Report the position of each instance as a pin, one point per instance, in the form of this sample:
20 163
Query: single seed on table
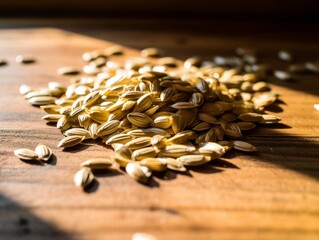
24 59
97 163
25 154
25 89
244 146
282 75
135 171
70 141
83 177
68 71
285 56
52 117
42 100
44 153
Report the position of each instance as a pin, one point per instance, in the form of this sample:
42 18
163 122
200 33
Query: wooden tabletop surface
271 194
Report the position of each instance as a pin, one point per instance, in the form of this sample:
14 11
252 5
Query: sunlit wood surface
272 194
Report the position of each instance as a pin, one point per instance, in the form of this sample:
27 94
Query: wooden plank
272 194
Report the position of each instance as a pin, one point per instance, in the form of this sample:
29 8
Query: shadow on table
17 222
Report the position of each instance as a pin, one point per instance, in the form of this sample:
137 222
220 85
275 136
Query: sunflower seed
139 119
193 160
285 56
97 163
83 177
139 143
244 146
68 71
52 117
25 89
25 154
142 153
70 141
135 171
107 128
151 52
24 59
42 100
44 153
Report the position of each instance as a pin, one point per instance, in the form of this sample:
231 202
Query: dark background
245 10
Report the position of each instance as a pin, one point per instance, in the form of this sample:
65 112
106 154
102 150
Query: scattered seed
83 177
135 171
24 59
70 141
97 163
285 56
68 71
44 153
244 146
25 154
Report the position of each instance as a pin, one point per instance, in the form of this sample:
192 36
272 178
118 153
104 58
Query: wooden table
273 194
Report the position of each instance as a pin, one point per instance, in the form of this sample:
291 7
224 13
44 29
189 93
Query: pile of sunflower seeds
156 112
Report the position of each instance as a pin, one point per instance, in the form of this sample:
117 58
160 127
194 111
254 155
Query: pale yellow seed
44 153
25 154
97 163
244 146
83 177
135 171
70 141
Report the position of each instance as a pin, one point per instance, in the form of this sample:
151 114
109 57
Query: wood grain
272 194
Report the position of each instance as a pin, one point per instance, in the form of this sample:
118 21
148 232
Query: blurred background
246 10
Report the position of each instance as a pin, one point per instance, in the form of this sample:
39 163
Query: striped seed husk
44 153
97 163
70 141
83 177
25 154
